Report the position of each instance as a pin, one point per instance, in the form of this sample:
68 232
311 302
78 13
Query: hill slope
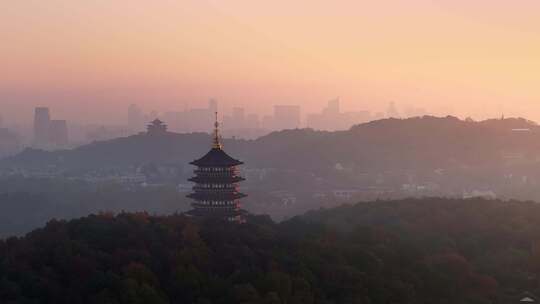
415 143
412 251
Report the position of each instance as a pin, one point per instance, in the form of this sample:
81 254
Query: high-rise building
177 121
49 133
238 118
42 121
331 118
252 121
236 121
286 117
216 181
58 133
242 125
332 108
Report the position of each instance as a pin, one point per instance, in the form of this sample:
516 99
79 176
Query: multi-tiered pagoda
157 127
216 184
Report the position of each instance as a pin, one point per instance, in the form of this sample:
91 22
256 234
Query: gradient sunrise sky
90 59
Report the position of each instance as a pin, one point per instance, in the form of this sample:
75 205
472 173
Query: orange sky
89 59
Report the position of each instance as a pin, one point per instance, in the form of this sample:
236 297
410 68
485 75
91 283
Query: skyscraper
42 121
58 132
238 118
333 107
286 117
332 118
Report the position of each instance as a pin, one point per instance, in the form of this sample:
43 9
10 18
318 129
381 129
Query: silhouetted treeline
411 251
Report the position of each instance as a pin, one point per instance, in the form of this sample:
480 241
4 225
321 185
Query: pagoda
157 127
215 193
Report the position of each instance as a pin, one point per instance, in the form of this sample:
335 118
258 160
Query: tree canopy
411 251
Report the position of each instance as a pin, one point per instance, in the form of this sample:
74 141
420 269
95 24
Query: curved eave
204 163
216 158
216 197
218 180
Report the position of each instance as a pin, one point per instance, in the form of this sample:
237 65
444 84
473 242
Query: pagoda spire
216 179
216 143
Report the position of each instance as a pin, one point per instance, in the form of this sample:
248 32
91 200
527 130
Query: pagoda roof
216 157
216 196
219 180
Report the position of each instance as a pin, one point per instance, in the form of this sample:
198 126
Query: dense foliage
498 238
412 251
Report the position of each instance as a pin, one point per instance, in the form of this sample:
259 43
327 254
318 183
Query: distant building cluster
237 124
192 120
331 118
49 133
241 124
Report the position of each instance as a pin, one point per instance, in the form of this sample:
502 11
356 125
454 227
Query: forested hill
412 251
390 144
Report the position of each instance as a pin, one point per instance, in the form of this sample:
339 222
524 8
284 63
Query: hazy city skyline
91 60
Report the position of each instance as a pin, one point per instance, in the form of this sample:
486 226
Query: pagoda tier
216 185
217 179
216 197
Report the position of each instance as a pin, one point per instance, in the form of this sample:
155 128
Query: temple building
157 127
216 184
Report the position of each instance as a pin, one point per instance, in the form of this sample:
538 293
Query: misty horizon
95 59
115 113
269 152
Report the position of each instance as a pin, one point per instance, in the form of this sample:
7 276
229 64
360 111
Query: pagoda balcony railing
215 190
216 173
200 208
217 179
227 206
216 195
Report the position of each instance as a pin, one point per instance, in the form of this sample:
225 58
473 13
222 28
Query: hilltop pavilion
156 127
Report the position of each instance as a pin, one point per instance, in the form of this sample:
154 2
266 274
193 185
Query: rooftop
216 157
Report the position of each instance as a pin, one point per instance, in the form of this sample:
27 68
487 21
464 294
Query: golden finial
217 140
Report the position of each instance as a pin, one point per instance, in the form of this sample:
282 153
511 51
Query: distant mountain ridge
426 142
